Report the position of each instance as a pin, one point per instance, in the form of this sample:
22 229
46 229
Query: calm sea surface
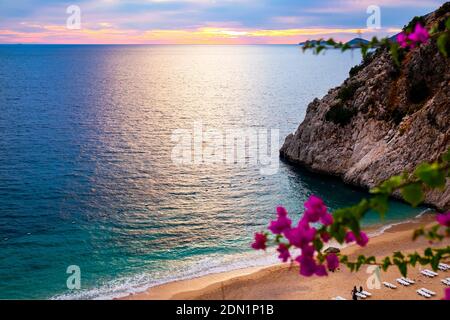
87 177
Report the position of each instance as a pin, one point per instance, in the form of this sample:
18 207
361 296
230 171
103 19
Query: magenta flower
362 240
332 261
447 294
281 211
325 237
420 34
284 252
402 40
350 237
321 271
308 250
444 219
282 224
309 267
315 209
327 219
260 241
301 235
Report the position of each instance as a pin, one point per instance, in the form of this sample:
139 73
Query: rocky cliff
382 120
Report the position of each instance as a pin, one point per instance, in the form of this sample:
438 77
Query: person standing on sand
354 291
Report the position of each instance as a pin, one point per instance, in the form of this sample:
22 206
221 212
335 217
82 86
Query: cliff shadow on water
338 194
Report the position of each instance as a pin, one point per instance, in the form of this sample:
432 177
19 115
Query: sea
98 173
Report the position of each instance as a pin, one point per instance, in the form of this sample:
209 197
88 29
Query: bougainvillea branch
411 37
317 226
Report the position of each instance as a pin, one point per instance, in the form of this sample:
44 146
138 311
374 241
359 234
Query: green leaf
424 261
360 210
447 24
318 244
364 49
374 41
354 225
403 268
433 29
278 238
386 263
446 156
351 266
361 259
338 232
413 194
431 175
388 186
345 47
399 255
331 42
319 49
380 204
371 260
413 258
394 53
435 262
442 44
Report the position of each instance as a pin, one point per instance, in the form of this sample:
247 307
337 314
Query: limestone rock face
381 121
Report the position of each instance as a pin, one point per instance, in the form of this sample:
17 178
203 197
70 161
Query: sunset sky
201 21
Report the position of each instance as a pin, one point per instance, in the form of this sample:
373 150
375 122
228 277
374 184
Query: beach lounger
408 280
427 274
442 268
423 294
339 298
367 294
446 282
389 285
402 282
444 265
431 293
431 272
360 295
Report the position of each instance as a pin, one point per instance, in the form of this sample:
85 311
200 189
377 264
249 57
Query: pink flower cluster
444 219
447 294
362 239
303 235
260 241
411 40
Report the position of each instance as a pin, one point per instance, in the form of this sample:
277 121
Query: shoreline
281 281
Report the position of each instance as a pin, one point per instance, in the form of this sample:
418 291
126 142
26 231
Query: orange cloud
205 35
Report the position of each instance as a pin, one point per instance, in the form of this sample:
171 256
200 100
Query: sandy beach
283 281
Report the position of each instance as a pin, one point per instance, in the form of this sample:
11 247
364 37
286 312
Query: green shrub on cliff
340 114
410 26
346 93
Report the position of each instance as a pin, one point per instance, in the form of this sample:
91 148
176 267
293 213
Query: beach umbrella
332 250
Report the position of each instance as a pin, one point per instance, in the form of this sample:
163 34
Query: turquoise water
87 178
